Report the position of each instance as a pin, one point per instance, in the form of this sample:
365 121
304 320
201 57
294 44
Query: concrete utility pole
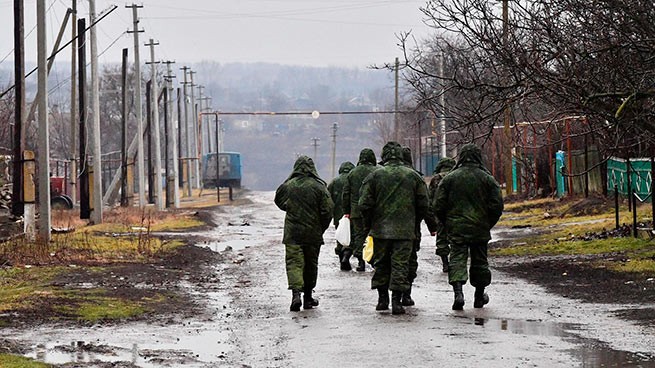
85 205
140 164
194 137
96 212
442 126
186 129
154 129
315 144
44 138
335 127
199 119
396 124
73 110
172 132
509 186
124 159
17 208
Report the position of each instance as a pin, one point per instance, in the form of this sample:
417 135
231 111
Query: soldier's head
470 153
392 151
366 157
445 164
346 167
304 165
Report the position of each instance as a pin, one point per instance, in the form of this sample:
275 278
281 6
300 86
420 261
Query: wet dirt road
248 323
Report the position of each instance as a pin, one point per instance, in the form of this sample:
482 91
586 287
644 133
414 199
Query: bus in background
229 173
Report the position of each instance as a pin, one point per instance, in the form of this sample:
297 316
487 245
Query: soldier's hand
346 215
434 233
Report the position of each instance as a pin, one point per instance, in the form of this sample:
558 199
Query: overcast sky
351 33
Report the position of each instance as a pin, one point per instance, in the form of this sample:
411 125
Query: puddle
589 352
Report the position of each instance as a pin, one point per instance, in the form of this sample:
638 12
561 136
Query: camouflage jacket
306 201
444 166
354 180
394 198
336 189
468 200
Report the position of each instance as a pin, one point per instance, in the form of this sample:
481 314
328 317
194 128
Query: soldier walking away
336 189
351 191
407 300
469 203
392 199
306 201
443 248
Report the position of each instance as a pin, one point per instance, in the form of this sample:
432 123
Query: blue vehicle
229 173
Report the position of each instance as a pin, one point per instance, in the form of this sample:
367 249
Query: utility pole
201 137
315 144
442 126
188 133
85 208
396 124
194 137
96 212
44 141
507 114
140 164
172 127
124 159
17 207
335 127
73 110
154 128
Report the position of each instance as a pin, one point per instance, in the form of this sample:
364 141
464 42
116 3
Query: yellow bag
367 253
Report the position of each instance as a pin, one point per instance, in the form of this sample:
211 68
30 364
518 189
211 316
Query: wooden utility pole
17 208
315 144
396 124
73 110
44 137
509 186
154 127
96 213
124 160
85 208
140 163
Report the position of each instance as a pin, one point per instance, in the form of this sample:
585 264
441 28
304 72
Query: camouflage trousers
357 236
479 269
391 262
302 266
443 246
413 261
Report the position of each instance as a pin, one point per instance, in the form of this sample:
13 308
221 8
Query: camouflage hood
304 166
366 157
392 151
346 167
470 154
445 164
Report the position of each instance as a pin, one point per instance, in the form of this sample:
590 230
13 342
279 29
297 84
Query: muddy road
247 322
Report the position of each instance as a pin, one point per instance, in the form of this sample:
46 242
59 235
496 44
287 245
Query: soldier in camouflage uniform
469 203
443 249
336 189
306 201
351 191
432 226
392 200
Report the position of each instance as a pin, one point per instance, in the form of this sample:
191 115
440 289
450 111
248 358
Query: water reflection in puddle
589 352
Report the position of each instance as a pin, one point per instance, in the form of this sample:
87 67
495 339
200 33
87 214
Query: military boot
361 266
383 299
307 301
296 303
396 304
444 262
458 304
345 259
407 300
481 298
